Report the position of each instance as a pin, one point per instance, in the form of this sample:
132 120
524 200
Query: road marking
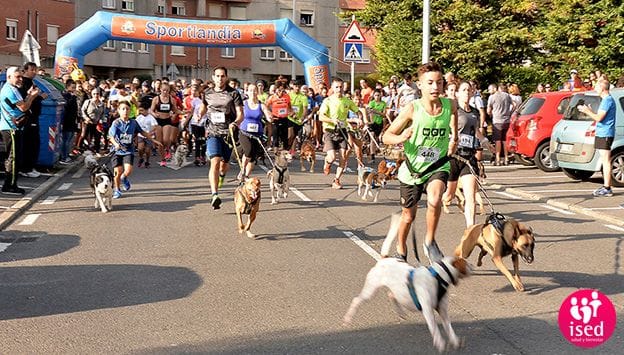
360 243
508 195
293 189
606 208
78 174
616 228
568 190
4 246
65 186
524 177
29 219
50 200
560 210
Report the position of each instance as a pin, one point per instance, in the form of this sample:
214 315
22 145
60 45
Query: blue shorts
218 147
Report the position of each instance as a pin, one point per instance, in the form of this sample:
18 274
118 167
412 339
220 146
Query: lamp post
293 74
164 68
425 30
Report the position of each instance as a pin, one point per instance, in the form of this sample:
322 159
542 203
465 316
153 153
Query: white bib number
165 107
427 154
217 117
282 111
252 127
466 140
296 109
125 138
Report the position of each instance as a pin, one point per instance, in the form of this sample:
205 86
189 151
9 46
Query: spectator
575 80
365 91
70 120
516 98
30 155
547 88
499 107
540 88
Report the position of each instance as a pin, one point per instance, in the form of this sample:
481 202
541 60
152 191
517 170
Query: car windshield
531 106
573 114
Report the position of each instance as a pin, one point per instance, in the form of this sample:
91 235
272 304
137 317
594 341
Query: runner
251 131
375 121
163 108
279 105
423 127
299 104
224 107
333 113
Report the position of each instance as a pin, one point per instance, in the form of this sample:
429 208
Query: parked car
572 141
531 125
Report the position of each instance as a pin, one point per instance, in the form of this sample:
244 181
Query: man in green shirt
376 113
333 113
427 127
299 104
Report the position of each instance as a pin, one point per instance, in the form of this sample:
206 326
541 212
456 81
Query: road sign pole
352 78
425 37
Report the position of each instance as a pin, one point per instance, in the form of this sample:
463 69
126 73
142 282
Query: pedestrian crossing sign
353 52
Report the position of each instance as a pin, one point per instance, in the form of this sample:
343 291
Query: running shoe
116 193
196 162
221 180
432 252
336 184
216 202
603 192
147 164
400 257
326 168
126 183
141 161
202 160
13 190
168 156
163 163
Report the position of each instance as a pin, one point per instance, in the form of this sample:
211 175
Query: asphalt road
164 273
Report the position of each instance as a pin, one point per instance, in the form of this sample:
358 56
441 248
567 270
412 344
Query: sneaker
147 164
400 257
202 160
168 156
432 252
141 161
326 168
116 193
336 184
163 163
126 183
196 162
216 202
65 161
13 190
221 180
603 192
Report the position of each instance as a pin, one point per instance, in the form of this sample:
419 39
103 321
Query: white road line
29 219
50 200
560 210
524 177
616 228
65 186
508 195
606 208
78 174
568 190
4 246
293 189
370 251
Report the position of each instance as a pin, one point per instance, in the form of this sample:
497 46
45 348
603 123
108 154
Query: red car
529 131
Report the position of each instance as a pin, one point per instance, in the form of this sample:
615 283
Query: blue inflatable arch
102 26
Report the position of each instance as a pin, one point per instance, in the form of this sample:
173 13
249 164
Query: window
227 52
365 54
238 13
143 47
109 45
127 46
11 29
127 5
109 4
306 18
215 10
285 56
177 8
267 53
53 31
161 6
177 50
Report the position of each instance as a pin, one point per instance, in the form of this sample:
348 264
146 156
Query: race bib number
296 109
165 107
125 138
282 112
427 154
466 140
252 127
217 117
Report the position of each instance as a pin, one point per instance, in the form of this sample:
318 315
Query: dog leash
479 184
266 153
346 138
240 164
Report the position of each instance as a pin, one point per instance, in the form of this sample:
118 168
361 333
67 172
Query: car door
575 133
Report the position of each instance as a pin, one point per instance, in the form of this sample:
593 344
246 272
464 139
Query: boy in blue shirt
121 135
605 132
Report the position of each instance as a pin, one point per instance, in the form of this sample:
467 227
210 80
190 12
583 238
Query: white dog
415 289
102 187
279 177
180 155
89 160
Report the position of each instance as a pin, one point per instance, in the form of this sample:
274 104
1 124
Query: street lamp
425 30
293 74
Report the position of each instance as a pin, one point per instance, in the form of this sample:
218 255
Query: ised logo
587 318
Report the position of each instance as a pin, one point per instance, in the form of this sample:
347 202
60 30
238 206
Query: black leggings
199 135
280 133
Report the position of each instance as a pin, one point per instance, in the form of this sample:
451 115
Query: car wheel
524 161
576 174
542 158
617 168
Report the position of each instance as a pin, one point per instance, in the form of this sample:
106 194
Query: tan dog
247 201
307 153
516 240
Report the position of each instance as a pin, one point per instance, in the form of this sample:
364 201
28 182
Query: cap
145 83
573 71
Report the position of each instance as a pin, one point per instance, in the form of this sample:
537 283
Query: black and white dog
102 187
279 177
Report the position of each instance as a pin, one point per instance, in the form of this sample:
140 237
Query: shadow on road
46 245
47 290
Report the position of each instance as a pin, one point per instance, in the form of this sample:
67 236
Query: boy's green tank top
428 143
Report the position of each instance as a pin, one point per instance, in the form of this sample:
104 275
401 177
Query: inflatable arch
103 26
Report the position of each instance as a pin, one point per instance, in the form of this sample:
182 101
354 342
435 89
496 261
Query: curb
10 215
558 204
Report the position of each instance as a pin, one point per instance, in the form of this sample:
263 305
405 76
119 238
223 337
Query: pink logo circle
587 318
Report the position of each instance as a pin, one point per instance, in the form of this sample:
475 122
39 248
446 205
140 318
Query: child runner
148 123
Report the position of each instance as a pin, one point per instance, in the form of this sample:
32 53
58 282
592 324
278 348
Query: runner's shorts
411 194
334 141
218 147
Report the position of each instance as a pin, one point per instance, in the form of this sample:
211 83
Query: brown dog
516 240
389 168
247 201
307 153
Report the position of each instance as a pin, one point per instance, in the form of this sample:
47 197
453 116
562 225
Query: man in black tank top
224 108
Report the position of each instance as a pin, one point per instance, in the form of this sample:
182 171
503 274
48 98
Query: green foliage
523 41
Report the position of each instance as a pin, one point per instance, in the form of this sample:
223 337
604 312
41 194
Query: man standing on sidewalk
605 131
13 118
31 128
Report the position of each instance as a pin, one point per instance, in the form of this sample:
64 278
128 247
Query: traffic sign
30 48
353 52
353 34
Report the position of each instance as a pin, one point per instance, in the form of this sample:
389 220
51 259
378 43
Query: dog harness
280 174
442 284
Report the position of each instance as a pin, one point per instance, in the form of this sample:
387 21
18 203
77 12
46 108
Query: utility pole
426 35
293 73
164 68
